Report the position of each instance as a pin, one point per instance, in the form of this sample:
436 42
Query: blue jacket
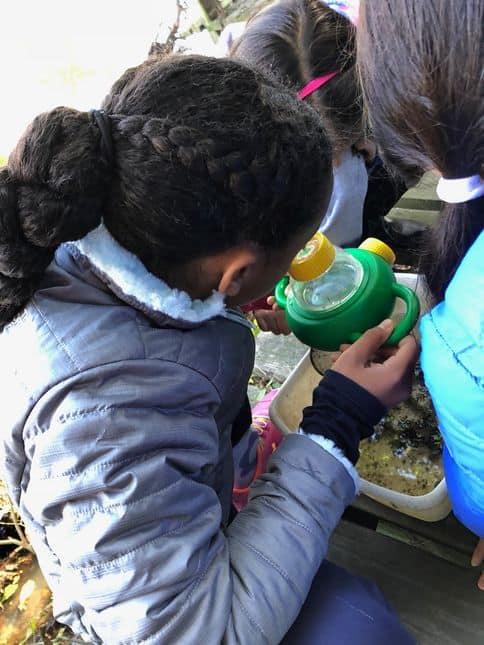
453 364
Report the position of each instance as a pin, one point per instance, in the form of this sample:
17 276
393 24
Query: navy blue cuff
343 412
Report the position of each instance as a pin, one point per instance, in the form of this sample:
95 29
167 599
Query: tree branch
160 49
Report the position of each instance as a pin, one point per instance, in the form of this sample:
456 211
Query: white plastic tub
296 393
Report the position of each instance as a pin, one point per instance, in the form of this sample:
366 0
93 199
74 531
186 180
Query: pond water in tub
405 453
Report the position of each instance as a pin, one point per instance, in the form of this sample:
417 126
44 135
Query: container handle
407 323
280 292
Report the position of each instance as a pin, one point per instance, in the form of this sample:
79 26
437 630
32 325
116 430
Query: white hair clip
458 191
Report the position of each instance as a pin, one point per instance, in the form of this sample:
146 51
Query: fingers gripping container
296 393
335 295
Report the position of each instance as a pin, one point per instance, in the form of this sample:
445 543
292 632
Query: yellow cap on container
379 248
313 260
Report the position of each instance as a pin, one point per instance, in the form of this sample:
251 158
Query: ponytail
448 242
52 191
426 107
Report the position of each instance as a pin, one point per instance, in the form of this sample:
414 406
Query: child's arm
269 316
123 484
355 394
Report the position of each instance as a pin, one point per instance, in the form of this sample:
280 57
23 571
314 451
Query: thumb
365 347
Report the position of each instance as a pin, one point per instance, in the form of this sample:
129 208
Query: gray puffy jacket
116 426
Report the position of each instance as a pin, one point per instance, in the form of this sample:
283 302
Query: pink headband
315 84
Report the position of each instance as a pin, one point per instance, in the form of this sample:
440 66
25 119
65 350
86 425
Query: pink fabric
268 437
315 84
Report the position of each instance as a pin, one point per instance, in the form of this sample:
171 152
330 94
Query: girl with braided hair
128 238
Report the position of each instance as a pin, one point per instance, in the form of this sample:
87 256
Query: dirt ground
25 599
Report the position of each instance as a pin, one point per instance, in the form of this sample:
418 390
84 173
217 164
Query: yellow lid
379 248
313 260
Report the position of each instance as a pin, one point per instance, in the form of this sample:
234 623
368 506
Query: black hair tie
101 119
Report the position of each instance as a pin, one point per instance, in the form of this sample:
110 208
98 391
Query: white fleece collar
126 271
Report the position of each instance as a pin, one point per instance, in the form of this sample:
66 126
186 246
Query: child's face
243 273
261 276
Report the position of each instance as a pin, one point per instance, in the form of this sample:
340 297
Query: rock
276 356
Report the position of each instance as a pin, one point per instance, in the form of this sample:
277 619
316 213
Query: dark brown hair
208 153
299 40
421 65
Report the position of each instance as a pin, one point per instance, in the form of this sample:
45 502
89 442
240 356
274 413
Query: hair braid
234 158
250 174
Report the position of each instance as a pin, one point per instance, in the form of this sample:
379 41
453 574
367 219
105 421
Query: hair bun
18 257
13 295
47 219
53 190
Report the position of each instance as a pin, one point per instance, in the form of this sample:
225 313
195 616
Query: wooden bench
419 204
422 568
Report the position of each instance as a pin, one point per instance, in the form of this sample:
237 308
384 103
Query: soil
405 453
25 598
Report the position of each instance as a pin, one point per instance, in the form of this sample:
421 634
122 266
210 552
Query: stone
277 356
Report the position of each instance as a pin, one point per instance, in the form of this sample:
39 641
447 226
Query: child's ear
237 267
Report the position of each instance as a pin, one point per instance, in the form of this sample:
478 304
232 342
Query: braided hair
207 153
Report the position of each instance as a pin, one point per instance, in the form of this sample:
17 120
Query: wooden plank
423 543
425 189
449 531
407 211
439 602
419 204
244 10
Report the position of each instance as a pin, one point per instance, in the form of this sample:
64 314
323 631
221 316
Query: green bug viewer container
335 294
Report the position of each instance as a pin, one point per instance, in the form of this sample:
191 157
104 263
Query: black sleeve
342 411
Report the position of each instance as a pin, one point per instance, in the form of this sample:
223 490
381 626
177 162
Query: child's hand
384 372
477 559
272 320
